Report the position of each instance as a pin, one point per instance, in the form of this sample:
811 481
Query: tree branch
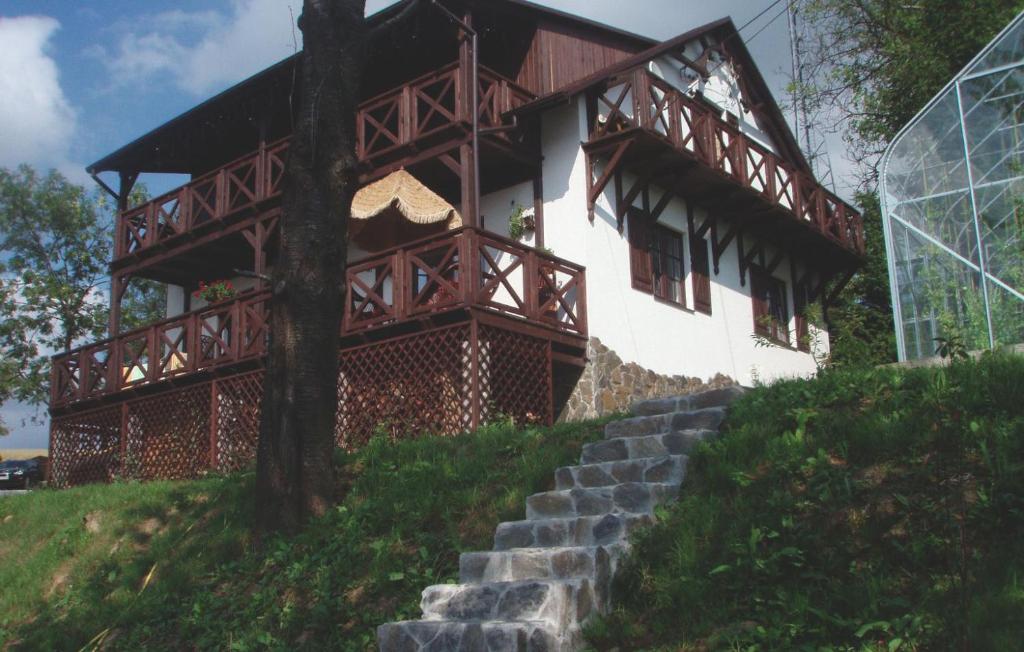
407 11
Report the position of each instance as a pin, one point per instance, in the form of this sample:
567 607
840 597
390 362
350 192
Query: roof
151 151
156 150
725 30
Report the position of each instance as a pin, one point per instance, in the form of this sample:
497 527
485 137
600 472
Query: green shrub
861 510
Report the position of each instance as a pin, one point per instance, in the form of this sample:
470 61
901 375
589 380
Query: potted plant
520 222
215 291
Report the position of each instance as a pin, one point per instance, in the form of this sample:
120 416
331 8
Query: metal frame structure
952 192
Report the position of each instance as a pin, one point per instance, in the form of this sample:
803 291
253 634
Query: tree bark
294 479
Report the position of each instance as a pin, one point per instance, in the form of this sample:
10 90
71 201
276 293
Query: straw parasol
397 209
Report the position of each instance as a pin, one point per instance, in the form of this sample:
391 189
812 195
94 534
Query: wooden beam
718 245
595 188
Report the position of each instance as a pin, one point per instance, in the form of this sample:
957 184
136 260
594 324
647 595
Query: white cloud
36 120
206 50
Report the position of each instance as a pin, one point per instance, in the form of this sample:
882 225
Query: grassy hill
172 565
862 510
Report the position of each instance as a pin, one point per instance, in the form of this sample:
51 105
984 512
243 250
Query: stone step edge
718 397
660 458
703 419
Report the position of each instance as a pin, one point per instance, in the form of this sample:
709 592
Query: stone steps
462 636
632 448
711 398
628 497
703 419
557 603
560 532
539 563
550 573
664 468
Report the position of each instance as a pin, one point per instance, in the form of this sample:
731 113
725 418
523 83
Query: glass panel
1008 49
926 187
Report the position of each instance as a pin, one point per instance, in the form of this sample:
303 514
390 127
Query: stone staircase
548 574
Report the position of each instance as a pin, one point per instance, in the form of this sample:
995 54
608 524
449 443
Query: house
616 199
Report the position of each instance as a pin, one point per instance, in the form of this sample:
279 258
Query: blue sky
80 79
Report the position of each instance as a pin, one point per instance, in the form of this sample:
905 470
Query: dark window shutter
759 296
639 251
701 269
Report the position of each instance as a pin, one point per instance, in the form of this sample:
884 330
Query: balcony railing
640 99
392 121
452 271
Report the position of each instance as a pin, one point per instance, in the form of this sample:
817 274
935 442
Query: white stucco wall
656 335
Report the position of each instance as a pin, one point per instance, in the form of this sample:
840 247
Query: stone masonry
609 385
549 574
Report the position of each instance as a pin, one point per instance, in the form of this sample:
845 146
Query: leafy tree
875 63
860 320
55 243
870 66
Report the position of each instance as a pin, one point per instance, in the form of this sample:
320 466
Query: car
20 474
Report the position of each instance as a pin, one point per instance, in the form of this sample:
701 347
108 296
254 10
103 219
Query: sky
80 79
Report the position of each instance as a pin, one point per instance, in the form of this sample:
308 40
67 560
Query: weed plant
871 509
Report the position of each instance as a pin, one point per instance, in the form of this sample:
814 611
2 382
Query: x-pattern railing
459 269
421 108
639 99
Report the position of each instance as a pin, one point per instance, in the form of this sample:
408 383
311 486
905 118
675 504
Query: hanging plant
520 222
215 291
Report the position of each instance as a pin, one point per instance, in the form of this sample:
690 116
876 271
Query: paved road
11 492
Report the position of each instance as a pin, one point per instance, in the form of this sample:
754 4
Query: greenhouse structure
952 190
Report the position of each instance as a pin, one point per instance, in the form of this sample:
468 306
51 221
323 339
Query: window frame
648 254
773 328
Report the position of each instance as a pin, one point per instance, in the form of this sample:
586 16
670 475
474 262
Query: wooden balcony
427 283
394 129
640 121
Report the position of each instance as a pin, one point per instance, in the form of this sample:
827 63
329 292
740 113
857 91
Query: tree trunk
294 479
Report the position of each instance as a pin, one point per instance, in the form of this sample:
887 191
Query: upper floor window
656 259
667 259
771 312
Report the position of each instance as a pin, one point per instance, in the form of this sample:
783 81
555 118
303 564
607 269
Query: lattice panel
168 435
238 420
515 377
85 447
405 386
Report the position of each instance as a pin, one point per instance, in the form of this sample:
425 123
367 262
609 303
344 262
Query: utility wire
763 12
769 23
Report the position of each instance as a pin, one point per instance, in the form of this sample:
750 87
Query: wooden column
468 152
538 210
118 285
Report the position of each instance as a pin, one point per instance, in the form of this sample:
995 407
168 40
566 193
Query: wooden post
467 175
118 283
538 210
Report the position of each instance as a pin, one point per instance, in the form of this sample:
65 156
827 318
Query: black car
20 474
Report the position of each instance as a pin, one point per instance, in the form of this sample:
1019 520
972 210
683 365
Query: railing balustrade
641 99
397 118
454 270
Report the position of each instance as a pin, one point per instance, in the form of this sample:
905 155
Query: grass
169 566
861 510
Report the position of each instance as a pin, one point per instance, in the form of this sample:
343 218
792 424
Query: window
656 259
667 257
771 314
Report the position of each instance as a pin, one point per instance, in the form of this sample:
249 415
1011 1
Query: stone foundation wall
609 385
